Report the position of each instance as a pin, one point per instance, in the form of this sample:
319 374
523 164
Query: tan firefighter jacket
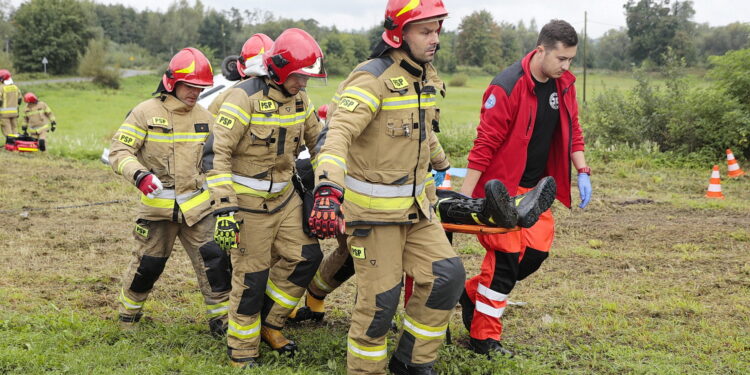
38 116
256 138
9 101
166 137
379 140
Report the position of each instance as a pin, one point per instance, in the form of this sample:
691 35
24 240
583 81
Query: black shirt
547 118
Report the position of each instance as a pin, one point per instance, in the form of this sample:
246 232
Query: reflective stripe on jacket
165 137
38 116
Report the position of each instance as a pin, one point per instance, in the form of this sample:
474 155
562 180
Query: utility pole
585 24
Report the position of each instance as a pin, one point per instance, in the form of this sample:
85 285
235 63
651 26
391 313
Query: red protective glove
149 185
326 219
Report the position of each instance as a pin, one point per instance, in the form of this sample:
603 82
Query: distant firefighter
10 99
38 118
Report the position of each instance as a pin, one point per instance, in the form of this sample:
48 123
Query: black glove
53 126
24 127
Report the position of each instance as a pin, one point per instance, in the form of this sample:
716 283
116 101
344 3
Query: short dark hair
557 31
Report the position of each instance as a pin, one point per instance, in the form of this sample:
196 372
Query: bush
95 64
459 80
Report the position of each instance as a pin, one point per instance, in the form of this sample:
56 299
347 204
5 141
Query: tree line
61 31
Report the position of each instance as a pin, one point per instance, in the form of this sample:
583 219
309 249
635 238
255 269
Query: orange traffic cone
446 185
732 166
714 184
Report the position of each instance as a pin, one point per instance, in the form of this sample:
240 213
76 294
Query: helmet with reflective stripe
4 74
398 13
29 97
257 45
294 52
189 66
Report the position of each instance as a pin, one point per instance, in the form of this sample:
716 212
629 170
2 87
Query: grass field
652 278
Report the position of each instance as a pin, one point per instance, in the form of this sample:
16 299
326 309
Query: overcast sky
357 14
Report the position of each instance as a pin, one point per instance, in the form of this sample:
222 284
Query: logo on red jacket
490 102
554 102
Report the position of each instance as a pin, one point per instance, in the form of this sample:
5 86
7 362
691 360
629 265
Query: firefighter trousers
10 126
335 269
272 265
381 255
154 243
510 257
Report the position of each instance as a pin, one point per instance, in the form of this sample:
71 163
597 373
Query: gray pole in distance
44 62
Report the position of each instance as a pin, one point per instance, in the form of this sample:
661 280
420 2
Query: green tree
716 41
213 32
55 29
479 40
182 22
732 73
654 26
611 50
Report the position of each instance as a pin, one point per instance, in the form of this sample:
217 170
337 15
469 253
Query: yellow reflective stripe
279 296
384 204
423 331
363 96
218 309
129 303
243 332
436 151
176 137
242 189
429 179
370 353
318 280
38 129
138 132
408 101
277 120
235 111
330 158
219 179
336 98
157 202
195 201
124 162
310 110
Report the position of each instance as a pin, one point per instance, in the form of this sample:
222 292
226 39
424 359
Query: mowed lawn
651 278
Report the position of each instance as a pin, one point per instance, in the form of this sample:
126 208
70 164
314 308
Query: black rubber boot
467 310
399 368
42 145
495 210
305 313
218 327
535 202
489 347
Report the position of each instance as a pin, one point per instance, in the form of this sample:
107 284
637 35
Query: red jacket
507 123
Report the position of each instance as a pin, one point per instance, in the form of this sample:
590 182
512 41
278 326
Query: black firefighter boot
397 367
534 202
496 209
42 145
489 347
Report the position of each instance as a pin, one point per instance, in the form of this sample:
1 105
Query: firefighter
373 167
250 158
158 149
530 114
251 57
38 118
10 99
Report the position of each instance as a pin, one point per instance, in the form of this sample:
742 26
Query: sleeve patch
348 104
225 121
126 139
399 83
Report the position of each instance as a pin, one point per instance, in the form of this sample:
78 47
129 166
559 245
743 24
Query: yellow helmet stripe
412 4
187 70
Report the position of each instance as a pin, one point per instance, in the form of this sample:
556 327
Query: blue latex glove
584 187
438 177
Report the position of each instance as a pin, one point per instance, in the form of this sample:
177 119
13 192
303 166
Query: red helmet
398 13
29 97
4 74
189 66
294 52
258 44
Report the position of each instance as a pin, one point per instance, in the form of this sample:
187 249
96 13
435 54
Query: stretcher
476 229
23 143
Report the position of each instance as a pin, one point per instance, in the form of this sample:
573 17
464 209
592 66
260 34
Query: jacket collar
172 104
277 92
565 81
402 58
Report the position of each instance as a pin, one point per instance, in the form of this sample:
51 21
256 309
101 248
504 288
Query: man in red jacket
528 130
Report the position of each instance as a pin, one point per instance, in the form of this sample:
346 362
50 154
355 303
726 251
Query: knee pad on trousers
448 284
531 261
148 272
218 267
506 271
386 302
252 297
305 270
346 271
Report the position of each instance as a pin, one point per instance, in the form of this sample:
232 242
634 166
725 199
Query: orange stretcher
476 229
